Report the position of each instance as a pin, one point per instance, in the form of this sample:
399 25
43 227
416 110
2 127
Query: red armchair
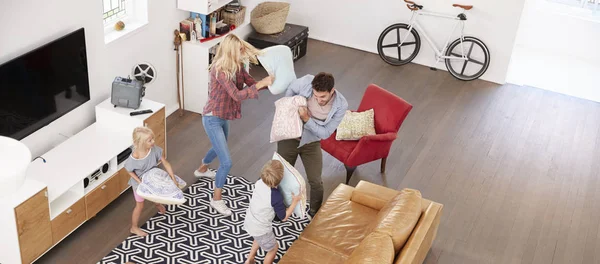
390 111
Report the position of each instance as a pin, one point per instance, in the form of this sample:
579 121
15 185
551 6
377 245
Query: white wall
27 24
557 49
357 24
560 30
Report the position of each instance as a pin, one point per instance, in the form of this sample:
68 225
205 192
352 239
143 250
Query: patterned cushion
356 125
286 122
157 186
292 182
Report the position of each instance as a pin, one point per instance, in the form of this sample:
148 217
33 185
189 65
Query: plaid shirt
225 96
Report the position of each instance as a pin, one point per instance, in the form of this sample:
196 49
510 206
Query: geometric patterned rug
195 233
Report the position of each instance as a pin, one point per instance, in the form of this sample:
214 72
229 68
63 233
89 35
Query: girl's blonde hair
229 56
140 136
272 173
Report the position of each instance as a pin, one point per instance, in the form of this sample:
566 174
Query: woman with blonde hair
225 96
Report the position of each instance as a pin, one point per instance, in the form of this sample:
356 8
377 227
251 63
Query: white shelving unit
65 168
201 6
53 201
195 54
66 200
112 169
211 43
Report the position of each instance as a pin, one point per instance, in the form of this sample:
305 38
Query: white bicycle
466 58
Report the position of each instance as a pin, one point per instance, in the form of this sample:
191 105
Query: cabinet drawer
123 179
158 127
156 121
100 197
68 220
33 226
160 140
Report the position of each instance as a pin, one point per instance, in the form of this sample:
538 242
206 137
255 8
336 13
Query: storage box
293 36
231 18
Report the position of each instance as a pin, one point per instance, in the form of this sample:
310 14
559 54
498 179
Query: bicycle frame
439 53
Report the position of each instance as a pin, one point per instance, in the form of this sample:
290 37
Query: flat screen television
42 85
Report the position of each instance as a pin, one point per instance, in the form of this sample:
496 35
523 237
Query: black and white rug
195 233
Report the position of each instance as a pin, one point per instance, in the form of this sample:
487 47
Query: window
133 13
113 10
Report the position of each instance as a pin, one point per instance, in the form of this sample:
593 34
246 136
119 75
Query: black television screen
40 86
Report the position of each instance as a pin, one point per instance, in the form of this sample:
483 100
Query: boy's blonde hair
229 56
140 136
272 173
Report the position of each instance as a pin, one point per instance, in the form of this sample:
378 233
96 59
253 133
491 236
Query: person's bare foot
248 261
138 231
161 208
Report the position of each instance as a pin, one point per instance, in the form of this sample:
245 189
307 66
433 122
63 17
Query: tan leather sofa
369 224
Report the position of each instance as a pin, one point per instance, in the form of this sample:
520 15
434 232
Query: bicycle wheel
389 48
477 62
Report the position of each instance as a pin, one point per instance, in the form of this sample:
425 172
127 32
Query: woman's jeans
217 130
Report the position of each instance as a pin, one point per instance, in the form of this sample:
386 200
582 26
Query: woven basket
269 17
234 18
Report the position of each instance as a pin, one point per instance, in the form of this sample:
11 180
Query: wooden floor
515 167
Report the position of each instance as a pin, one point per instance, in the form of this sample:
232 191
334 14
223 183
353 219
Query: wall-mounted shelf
209 44
201 6
196 54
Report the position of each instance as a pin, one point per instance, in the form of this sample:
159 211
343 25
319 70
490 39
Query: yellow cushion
376 248
356 125
399 217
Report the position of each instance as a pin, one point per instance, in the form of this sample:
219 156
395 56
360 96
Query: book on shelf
185 27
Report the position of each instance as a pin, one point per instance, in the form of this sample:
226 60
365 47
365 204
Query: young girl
144 157
226 93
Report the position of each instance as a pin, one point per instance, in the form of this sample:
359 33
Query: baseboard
373 50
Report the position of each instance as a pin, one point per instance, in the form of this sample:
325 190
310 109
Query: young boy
266 203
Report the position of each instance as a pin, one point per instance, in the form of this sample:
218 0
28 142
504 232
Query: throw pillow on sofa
157 186
286 122
356 125
292 182
376 248
278 61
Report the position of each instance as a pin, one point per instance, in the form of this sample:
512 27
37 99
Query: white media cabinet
53 202
195 54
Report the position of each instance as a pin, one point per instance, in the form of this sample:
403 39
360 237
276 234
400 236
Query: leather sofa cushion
399 217
376 248
304 252
420 241
339 226
373 195
377 196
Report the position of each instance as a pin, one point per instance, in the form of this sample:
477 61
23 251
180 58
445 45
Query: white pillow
279 62
157 186
286 121
292 182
